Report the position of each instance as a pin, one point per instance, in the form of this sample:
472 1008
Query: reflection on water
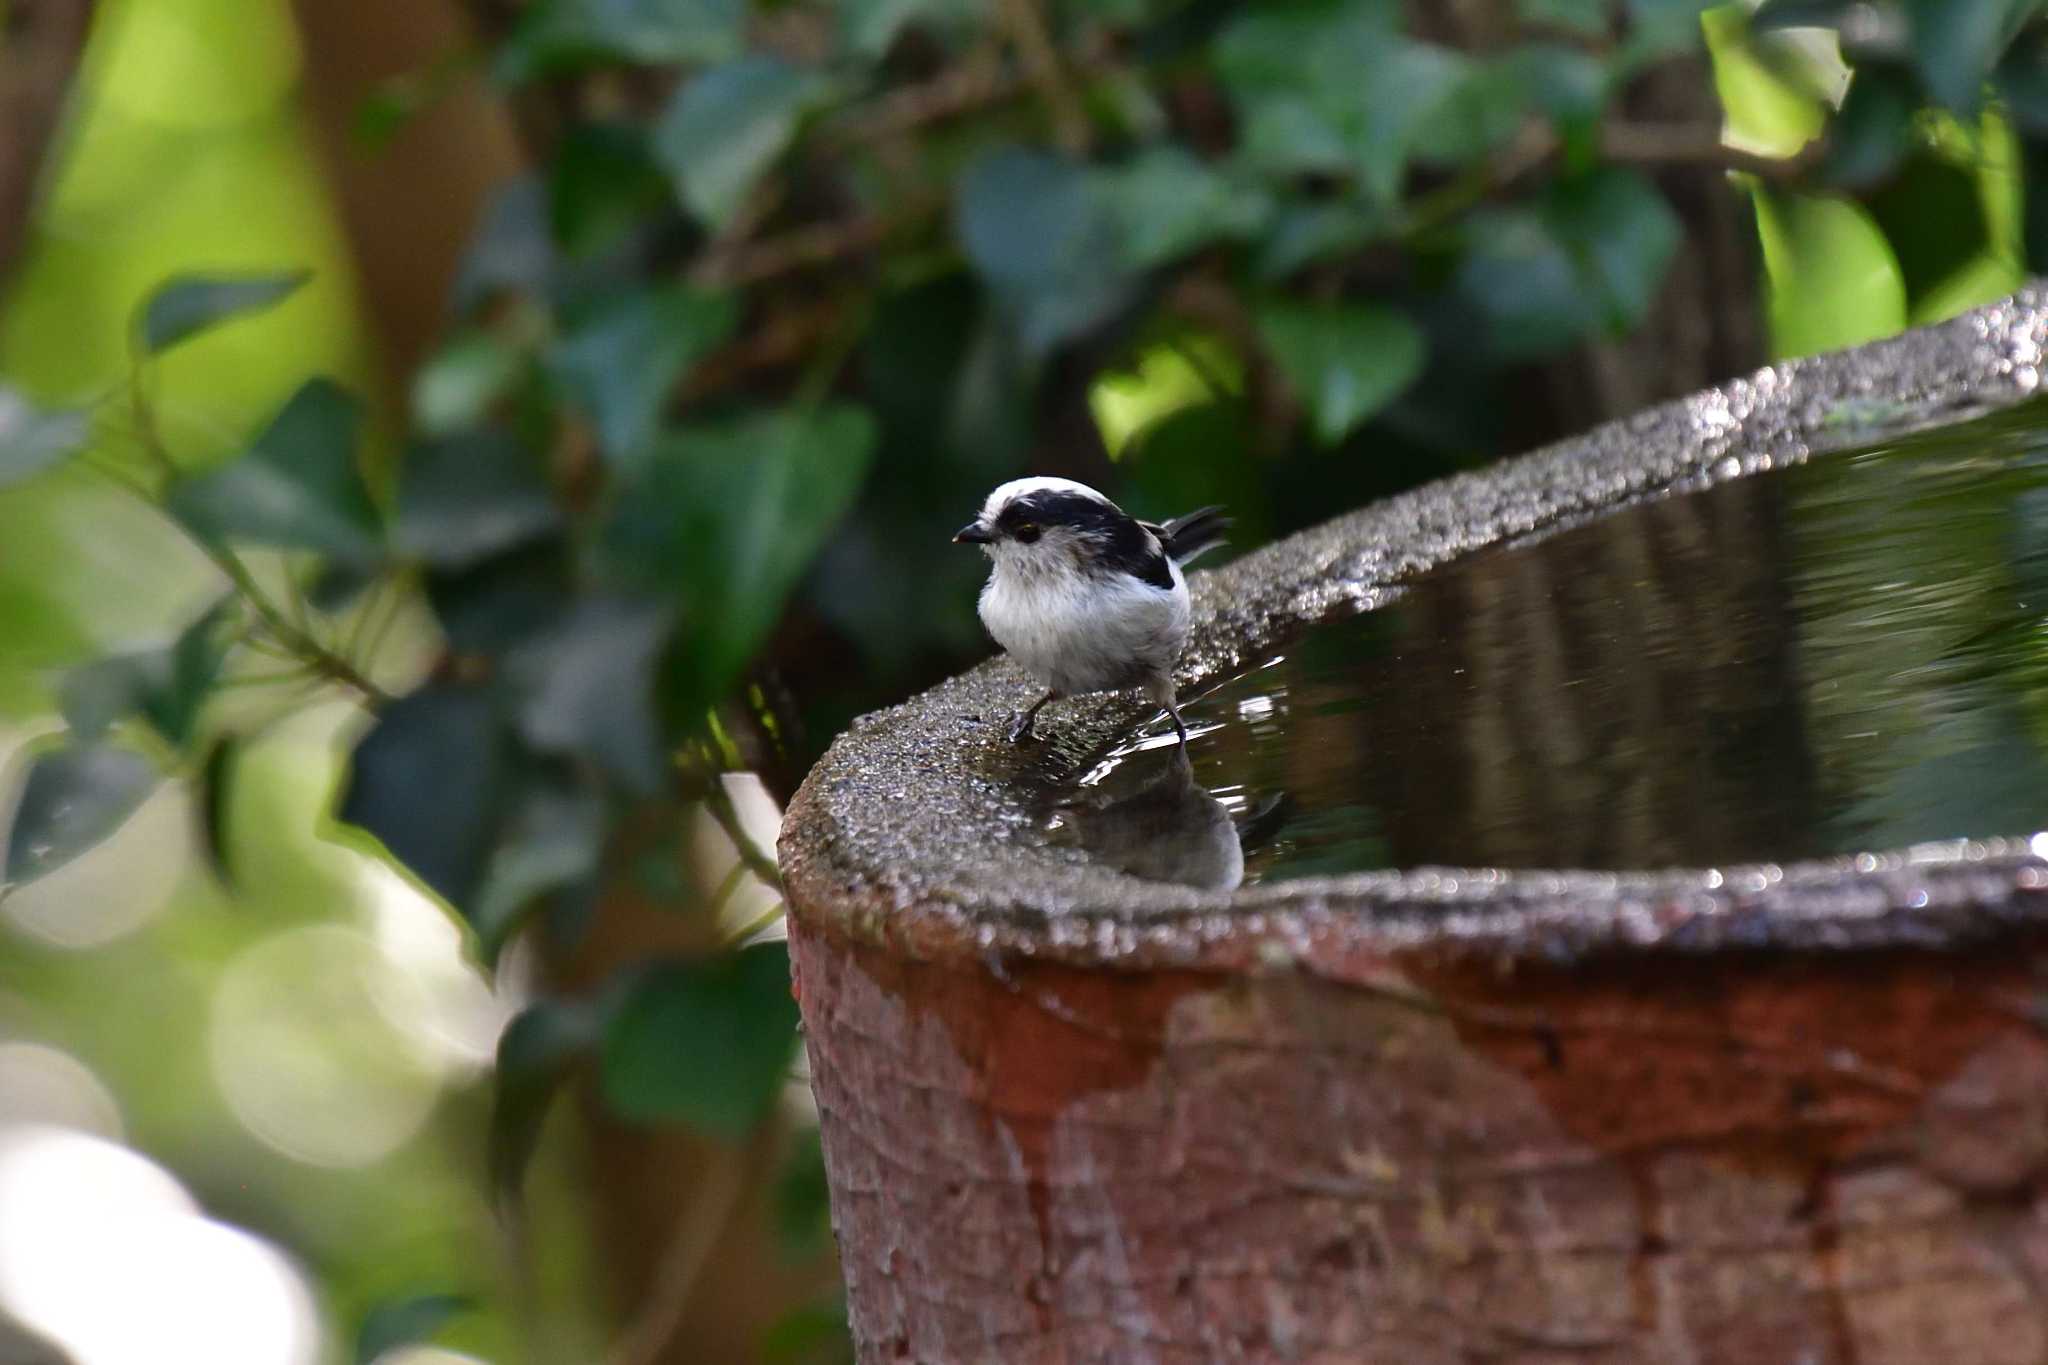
1844 655
1146 816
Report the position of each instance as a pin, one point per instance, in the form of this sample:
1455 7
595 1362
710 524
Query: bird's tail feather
1187 536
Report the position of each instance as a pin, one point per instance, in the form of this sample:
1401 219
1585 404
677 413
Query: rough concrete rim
916 827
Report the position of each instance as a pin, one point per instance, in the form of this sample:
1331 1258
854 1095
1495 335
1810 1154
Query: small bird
1084 595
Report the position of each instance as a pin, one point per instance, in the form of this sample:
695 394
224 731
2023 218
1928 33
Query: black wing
1190 535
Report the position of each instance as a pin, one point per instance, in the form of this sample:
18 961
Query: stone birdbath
1762 1111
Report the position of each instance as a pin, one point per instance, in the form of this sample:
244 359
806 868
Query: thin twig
719 802
668 1297
1041 63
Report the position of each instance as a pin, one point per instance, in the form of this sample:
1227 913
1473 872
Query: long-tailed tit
1085 596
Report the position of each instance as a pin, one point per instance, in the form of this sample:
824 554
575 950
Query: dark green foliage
622 361
1043 236
468 497
75 797
166 687
703 1043
726 127
298 488
536 1053
190 304
1346 363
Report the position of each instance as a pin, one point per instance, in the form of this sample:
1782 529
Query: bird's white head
1044 524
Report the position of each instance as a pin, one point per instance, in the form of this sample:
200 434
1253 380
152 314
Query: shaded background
459 462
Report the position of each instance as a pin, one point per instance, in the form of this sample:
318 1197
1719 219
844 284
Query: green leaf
1166 377
32 440
1874 129
1303 234
429 782
557 35
1957 42
513 251
1621 234
727 126
1665 28
603 184
168 687
623 362
407 1322
1042 235
1522 281
490 607
724 518
552 838
536 1053
469 497
74 798
459 384
868 28
1587 17
586 688
190 304
1480 112
1345 362
1831 279
705 1043
298 488
1332 86
2022 80
1766 113
1166 204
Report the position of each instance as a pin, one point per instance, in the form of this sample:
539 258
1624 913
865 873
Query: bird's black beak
974 533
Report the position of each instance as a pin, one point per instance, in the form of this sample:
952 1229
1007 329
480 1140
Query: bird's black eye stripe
1121 546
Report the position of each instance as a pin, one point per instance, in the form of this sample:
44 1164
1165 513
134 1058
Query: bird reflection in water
1150 818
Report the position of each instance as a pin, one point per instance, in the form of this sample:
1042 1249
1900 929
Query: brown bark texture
40 45
1822 1158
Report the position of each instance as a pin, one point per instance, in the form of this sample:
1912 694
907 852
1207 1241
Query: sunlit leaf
727 126
704 1043
74 798
190 304
623 361
1345 362
32 440
406 1322
1043 236
1831 278
429 781
297 488
554 35
1164 378
1765 112
465 498
586 688
723 519
536 1053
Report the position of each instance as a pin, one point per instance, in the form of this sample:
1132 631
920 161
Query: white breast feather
1081 634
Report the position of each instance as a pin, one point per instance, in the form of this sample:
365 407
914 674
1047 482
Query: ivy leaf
1345 362
1585 17
513 250
406 1322
1831 279
74 798
190 304
557 35
1481 111
536 1053
297 489
1166 203
1621 234
552 838
1957 42
1521 280
868 28
624 360
1044 240
460 383
429 782
603 184
724 517
586 688
168 687
32 440
1333 86
727 126
703 1043
468 497
1874 128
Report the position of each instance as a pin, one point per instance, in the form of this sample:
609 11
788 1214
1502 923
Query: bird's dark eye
1026 533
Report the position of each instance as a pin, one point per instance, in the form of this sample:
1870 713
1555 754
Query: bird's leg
1174 712
1020 728
1161 689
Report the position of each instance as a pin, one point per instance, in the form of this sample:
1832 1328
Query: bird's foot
1020 726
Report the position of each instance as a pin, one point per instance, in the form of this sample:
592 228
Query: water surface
1844 655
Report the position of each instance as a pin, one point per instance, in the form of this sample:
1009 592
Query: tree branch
39 52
